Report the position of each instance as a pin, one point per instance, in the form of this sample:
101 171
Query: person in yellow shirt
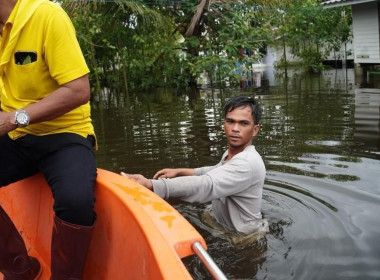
45 126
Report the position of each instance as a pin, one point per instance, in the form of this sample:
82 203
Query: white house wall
275 54
366 32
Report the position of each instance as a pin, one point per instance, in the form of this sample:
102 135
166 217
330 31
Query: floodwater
320 141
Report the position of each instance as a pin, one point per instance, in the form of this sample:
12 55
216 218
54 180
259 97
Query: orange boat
138 235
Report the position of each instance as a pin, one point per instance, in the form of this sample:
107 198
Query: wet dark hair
243 101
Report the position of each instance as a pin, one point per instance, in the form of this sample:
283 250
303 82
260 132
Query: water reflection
320 140
367 112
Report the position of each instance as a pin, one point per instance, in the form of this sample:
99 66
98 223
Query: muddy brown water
320 141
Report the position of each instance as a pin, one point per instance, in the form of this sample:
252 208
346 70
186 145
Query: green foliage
142 44
306 29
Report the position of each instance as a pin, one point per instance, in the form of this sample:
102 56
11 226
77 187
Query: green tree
123 41
308 31
142 44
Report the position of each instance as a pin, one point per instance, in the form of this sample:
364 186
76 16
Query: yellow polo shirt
38 53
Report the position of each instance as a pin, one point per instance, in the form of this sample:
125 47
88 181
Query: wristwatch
22 118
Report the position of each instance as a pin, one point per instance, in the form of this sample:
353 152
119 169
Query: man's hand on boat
165 173
139 179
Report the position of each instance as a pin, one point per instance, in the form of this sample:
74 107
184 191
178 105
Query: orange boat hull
137 236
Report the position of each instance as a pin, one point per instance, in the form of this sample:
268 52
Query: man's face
239 127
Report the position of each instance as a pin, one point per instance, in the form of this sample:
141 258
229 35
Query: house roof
339 3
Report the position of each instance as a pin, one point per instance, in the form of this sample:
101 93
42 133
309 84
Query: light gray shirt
235 188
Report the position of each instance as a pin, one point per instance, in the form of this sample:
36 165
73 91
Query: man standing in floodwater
234 185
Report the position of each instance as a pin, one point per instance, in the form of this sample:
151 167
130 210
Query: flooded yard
320 141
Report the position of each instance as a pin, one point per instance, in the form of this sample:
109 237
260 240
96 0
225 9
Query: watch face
22 118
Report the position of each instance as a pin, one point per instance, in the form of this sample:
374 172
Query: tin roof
338 3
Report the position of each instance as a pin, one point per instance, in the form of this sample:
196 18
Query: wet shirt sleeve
224 180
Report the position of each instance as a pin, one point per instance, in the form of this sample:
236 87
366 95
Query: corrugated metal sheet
337 3
327 2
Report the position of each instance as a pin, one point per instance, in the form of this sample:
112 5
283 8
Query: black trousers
66 160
